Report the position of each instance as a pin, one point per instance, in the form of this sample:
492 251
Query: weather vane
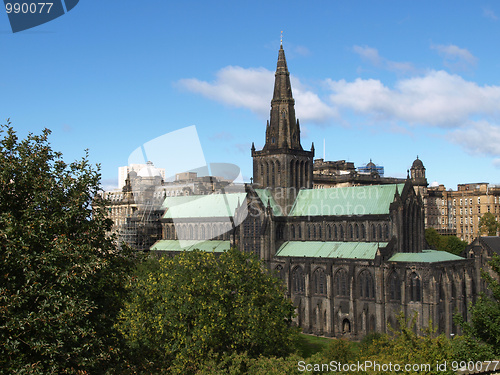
281 40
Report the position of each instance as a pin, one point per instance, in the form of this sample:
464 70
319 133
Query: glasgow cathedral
352 258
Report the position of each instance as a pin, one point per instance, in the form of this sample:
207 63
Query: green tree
484 323
488 225
199 303
62 279
451 244
433 238
454 245
406 347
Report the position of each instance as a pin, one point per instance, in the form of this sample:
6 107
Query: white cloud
455 57
437 98
478 138
109 184
369 54
252 88
468 112
238 87
372 56
488 13
496 163
308 105
301 50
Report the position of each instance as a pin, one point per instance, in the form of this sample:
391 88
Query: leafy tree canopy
198 303
451 244
406 347
488 225
62 278
484 322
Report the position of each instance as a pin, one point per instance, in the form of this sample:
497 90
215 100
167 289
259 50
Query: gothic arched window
335 234
351 234
374 232
267 174
356 231
319 231
300 232
298 280
394 287
363 231
341 284
415 289
273 175
319 281
366 286
341 232
292 229
280 272
329 229
386 230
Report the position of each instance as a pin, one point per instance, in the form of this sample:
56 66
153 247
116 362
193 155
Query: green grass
309 345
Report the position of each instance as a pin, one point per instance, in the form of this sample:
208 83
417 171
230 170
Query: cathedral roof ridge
197 206
351 200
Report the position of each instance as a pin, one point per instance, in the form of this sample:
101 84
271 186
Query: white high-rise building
124 171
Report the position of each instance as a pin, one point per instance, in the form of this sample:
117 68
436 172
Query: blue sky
380 80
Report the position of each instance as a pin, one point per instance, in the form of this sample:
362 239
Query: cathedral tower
283 166
417 174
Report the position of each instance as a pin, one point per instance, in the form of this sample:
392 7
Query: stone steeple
283 131
283 166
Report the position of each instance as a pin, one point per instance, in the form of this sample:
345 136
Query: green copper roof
189 245
201 206
355 200
426 256
319 249
174 201
265 196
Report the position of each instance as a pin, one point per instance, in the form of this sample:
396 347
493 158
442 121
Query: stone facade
339 173
457 212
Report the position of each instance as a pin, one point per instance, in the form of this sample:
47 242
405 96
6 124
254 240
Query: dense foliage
199 304
451 244
62 280
488 225
484 322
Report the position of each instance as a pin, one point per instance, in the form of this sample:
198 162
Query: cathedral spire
282 165
283 131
